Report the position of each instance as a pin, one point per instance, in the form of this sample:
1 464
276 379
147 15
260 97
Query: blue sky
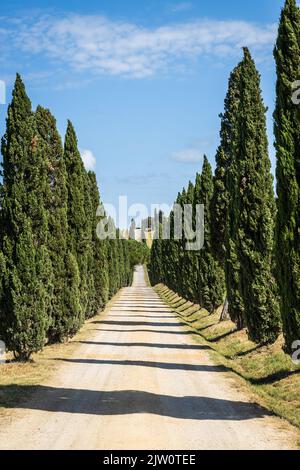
142 81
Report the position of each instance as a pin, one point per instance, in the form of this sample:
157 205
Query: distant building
148 236
138 234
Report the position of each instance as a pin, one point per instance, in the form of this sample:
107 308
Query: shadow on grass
222 336
275 377
244 353
206 327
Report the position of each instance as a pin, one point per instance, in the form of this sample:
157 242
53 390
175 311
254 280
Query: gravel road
140 381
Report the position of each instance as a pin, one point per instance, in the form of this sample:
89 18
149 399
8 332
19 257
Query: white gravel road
140 381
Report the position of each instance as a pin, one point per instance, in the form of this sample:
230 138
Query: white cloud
184 6
189 155
97 45
88 159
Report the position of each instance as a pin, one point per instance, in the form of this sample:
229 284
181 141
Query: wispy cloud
179 7
89 160
97 45
189 155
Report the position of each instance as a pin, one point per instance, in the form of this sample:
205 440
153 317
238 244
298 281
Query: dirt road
140 381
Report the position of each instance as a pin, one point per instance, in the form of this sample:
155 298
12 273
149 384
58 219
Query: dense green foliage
27 284
195 275
287 143
55 271
252 210
138 253
240 209
210 274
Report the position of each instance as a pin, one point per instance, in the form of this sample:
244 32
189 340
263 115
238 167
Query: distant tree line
54 270
251 255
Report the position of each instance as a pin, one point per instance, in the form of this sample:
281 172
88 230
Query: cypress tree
224 157
155 272
89 254
221 200
196 256
157 267
211 278
287 144
172 253
113 264
232 265
100 266
77 223
188 256
254 211
132 230
120 261
181 246
167 253
55 196
128 271
27 286
25 304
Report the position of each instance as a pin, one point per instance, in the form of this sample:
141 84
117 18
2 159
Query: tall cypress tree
113 264
62 313
27 288
221 200
77 222
232 265
132 230
100 265
182 200
188 256
92 301
196 255
211 278
172 252
155 272
224 157
127 267
287 143
254 211
121 261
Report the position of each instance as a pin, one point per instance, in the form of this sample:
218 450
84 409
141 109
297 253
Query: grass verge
268 370
18 378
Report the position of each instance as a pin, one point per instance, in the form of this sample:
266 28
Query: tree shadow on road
143 316
137 323
125 402
139 363
140 330
148 345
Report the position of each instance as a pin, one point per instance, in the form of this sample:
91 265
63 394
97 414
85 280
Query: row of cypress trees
252 240
55 271
195 275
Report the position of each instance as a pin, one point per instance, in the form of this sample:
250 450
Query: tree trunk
224 313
